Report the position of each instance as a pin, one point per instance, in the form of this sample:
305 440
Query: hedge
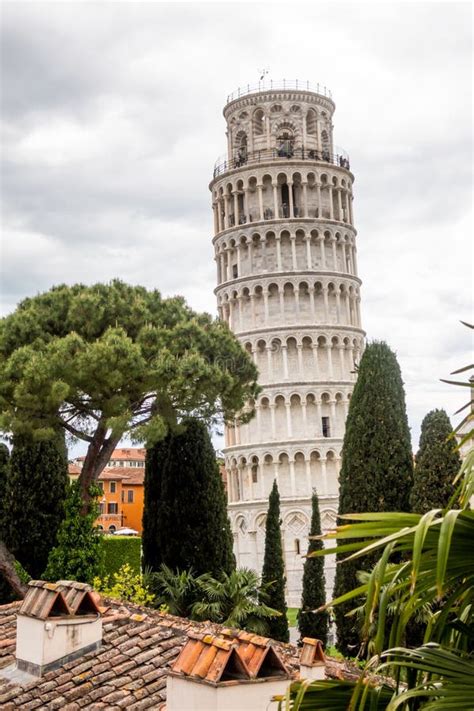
119 550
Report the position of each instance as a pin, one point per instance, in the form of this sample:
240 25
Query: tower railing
279 85
223 164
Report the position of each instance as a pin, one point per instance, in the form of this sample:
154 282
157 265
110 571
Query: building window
112 508
112 529
101 509
326 427
113 487
255 473
297 546
101 486
235 272
130 496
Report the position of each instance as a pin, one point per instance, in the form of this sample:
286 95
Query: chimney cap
244 656
80 597
312 653
43 600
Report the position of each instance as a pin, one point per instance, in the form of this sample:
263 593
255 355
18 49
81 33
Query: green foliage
78 555
111 359
235 600
310 623
36 489
423 562
435 564
437 463
120 551
24 576
6 593
175 591
4 466
126 584
273 572
377 469
185 523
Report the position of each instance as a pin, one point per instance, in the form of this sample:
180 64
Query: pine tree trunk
97 458
7 568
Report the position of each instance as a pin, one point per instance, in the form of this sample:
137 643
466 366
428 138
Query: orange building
122 483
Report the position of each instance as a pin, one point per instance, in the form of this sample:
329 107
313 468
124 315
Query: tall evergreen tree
185 523
4 460
436 464
274 570
6 593
377 467
314 624
36 489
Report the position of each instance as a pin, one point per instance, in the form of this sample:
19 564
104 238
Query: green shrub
120 551
78 554
126 585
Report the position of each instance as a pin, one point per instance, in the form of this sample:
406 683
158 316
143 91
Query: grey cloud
112 120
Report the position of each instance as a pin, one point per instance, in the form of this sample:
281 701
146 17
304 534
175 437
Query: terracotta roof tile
132 453
136 655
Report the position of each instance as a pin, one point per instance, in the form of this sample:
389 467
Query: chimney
56 623
214 673
312 660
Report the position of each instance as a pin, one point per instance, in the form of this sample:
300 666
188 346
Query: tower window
297 546
235 272
326 427
254 474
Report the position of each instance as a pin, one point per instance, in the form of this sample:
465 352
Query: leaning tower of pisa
287 285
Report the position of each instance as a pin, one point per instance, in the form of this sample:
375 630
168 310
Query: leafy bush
235 600
126 584
120 551
176 592
78 555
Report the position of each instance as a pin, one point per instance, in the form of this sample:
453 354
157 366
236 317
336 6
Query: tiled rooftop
131 453
129 671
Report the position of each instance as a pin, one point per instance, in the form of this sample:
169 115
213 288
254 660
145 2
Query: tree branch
76 433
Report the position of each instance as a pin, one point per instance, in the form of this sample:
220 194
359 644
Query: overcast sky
112 121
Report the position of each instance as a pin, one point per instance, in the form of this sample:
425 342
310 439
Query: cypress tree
377 467
36 488
274 570
314 624
4 460
6 593
185 523
436 464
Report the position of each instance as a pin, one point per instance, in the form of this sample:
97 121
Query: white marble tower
288 287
